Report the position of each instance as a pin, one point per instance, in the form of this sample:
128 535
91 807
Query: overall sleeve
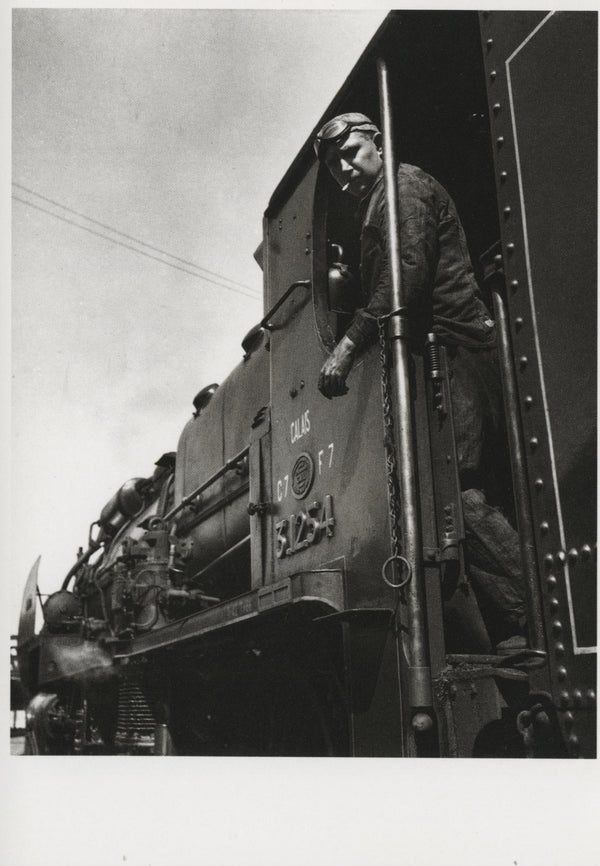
418 213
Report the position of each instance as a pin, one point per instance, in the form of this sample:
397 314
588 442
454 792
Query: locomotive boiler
291 581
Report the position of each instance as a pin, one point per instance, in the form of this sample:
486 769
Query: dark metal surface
541 71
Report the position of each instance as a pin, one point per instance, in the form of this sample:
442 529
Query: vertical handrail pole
518 463
416 647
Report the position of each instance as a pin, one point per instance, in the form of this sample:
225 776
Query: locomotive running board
320 592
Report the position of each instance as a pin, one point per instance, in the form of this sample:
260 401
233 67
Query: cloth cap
339 126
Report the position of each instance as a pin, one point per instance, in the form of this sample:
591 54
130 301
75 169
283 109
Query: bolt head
422 722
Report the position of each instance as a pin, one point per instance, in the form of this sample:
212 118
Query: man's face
355 163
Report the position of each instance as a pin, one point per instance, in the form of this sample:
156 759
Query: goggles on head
336 128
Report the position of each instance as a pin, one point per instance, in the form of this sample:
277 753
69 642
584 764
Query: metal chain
390 454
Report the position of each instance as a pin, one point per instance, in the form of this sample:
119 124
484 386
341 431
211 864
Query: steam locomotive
271 588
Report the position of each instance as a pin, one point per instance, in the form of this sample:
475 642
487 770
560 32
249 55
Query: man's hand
332 379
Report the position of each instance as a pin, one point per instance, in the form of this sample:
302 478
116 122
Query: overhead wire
129 237
134 249
249 293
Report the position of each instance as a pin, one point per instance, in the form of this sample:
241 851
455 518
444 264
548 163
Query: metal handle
264 323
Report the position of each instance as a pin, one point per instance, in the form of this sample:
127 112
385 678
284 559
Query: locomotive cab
442 124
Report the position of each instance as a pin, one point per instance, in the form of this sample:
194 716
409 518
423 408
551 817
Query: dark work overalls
442 296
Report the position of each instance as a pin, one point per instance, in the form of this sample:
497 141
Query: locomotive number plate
305 527
302 475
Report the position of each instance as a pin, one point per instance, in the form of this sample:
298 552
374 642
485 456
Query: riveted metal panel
541 71
340 439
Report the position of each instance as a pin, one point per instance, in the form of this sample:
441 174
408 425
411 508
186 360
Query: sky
141 137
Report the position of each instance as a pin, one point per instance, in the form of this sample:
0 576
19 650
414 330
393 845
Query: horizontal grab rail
234 463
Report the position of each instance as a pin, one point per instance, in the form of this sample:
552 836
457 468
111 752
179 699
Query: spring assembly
433 354
435 372
135 722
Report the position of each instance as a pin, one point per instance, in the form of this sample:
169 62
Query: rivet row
576 697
